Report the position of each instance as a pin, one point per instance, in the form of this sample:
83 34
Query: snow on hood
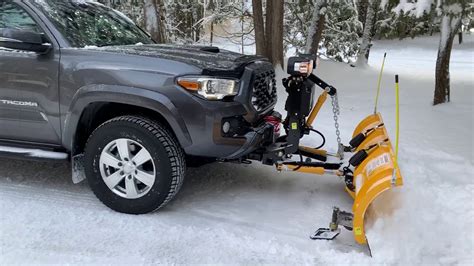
205 57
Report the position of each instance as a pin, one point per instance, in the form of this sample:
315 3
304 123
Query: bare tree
269 35
259 27
277 33
269 16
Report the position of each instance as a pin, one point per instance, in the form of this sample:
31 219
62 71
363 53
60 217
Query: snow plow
371 168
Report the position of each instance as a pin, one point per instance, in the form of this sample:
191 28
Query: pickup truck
81 82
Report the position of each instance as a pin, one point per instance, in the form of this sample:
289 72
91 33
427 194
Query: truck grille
264 90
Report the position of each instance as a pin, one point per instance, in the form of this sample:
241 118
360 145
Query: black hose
319 147
301 162
322 137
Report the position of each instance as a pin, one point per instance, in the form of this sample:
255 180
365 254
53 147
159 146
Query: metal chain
336 112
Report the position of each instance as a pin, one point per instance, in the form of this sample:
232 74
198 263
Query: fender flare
139 97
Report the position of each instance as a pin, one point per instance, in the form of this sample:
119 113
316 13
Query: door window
13 16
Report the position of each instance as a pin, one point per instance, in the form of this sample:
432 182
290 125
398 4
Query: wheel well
97 113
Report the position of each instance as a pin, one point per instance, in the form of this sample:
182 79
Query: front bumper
204 119
209 139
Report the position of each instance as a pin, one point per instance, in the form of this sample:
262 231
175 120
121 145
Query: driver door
29 93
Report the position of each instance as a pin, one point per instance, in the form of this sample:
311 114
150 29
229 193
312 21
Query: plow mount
371 169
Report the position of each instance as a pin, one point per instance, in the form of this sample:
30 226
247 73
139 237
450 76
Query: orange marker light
189 85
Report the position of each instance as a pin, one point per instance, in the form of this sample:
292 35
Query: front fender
144 98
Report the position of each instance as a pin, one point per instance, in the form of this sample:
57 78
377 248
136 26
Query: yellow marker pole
397 93
379 82
397 121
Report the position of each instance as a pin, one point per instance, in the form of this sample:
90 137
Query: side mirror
24 41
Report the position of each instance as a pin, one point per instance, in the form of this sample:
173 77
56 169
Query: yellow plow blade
369 122
376 174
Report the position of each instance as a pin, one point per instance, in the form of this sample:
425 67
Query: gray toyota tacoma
81 82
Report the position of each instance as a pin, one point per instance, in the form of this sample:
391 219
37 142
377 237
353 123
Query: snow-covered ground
249 214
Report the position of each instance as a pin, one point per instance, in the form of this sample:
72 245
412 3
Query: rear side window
13 16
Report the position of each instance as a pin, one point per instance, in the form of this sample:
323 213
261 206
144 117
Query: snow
383 3
417 8
404 6
417 57
250 214
420 7
454 9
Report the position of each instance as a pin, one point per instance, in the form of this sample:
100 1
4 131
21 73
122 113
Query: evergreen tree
298 19
341 33
336 38
405 22
183 17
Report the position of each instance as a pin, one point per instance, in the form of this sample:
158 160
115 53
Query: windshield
86 23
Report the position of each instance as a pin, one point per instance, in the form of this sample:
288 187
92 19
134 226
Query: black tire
164 149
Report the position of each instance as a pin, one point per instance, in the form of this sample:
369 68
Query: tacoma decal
18 103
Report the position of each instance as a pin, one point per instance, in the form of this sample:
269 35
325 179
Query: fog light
226 127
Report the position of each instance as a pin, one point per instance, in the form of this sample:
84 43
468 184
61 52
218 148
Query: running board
34 154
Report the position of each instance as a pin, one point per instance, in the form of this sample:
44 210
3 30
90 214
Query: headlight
210 88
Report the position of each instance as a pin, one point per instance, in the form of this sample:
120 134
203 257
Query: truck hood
212 60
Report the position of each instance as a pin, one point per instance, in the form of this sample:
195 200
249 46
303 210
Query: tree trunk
460 37
316 29
277 33
197 28
269 16
362 6
153 25
363 56
242 27
211 39
162 20
449 26
259 27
